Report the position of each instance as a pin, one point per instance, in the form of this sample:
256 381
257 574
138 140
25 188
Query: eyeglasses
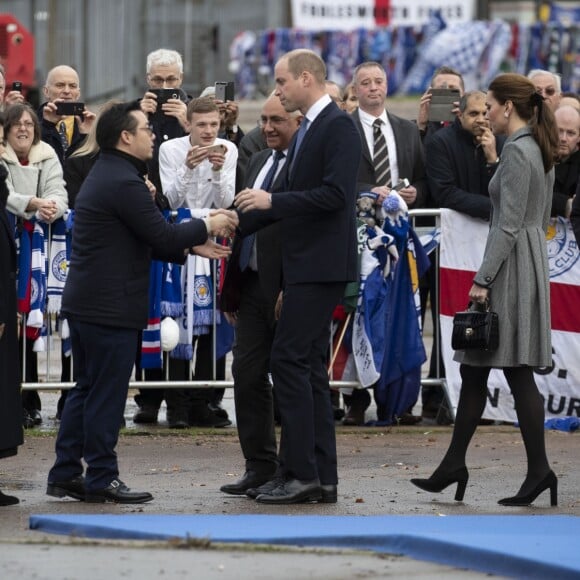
25 124
148 128
158 81
548 91
274 121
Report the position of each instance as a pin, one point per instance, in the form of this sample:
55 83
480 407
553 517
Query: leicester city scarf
37 278
58 266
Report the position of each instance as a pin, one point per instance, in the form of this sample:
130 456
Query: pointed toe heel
436 484
549 482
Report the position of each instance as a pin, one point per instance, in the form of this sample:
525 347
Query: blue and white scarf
37 278
58 266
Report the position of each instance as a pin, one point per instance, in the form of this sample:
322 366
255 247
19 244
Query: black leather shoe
146 415
205 417
218 410
293 491
27 420
248 480
267 487
117 492
329 493
177 420
74 488
8 499
35 416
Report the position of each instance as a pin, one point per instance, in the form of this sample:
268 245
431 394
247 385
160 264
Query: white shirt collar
317 107
367 119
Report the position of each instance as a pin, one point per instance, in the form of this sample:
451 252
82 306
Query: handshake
222 222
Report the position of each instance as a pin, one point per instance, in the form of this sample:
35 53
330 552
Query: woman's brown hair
531 107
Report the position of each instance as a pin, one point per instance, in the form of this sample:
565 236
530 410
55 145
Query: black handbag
475 329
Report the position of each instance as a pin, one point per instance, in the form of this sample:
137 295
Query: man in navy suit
117 232
318 233
251 288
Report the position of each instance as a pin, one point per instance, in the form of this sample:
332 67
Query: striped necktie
380 155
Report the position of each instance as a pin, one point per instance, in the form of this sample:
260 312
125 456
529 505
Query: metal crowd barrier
50 384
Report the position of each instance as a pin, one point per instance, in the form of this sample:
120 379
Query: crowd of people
288 190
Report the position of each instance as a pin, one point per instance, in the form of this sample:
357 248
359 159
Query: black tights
529 409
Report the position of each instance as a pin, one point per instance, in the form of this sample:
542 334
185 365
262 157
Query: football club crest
562 247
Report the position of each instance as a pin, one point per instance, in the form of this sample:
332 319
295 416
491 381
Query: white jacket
42 177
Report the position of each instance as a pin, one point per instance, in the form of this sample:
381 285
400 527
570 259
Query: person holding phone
444 77
13 96
64 130
198 172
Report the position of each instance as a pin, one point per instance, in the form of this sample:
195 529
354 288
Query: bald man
568 165
65 134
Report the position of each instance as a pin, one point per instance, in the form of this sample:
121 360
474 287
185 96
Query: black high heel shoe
436 484
549 482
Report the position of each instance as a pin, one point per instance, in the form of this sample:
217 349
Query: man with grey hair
168 120
548 85
167 111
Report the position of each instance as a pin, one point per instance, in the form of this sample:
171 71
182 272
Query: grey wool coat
515 261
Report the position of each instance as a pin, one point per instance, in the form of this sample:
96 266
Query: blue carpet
520 546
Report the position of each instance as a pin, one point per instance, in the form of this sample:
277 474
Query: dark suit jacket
269 247
317 206
117 231
566 181
410 157
457 173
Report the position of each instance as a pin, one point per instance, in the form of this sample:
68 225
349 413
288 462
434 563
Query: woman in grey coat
514 279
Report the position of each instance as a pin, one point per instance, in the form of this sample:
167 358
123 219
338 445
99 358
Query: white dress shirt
200 188
367 123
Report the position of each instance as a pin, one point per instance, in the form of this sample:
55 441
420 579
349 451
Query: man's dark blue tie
248 241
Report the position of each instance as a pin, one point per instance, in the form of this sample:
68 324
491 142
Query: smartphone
401 185
225 91
442 103
163 95
17 86
214 149
70 108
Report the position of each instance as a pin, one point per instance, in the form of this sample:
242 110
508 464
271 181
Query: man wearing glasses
168 120
548 85
250 291
167 112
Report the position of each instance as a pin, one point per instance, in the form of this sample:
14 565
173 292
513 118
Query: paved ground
185 469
